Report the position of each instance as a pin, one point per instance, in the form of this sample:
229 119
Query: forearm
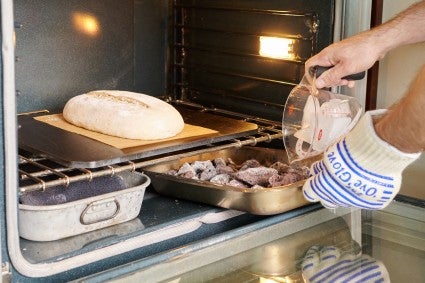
405 28
404 124
359 52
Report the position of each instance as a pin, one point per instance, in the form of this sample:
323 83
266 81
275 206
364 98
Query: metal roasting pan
266 201
54 222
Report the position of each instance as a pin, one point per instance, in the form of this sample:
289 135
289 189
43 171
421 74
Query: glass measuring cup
314 119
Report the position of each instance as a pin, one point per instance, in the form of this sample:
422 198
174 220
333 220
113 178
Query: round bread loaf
124 114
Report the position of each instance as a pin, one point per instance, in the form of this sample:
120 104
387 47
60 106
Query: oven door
392 242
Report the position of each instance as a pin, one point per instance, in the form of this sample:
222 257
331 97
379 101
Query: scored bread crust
124 114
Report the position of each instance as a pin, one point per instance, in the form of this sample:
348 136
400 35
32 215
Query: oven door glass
391 242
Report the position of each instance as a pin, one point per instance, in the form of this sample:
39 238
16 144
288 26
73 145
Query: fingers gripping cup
314 119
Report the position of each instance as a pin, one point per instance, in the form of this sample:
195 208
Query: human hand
360 170
349 56
359 52
327 264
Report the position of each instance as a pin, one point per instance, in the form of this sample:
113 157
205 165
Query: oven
225 65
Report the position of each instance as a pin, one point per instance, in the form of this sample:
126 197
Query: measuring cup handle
318 70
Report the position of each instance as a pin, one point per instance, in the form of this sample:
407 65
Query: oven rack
38 173
217 54
261 122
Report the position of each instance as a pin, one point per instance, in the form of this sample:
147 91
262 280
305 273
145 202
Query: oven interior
237 59
213 53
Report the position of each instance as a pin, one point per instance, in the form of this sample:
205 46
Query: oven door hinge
6 275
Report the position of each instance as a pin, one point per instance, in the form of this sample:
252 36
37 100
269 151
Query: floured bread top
124 114
117 98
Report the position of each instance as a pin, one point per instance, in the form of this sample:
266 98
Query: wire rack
38 173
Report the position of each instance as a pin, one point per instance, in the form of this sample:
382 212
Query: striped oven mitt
327 264
360 170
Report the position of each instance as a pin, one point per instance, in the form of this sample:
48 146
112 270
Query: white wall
400 65
396 71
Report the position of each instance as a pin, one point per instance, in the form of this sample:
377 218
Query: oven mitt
327 264
360 170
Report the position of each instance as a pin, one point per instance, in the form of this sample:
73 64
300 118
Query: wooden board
189 131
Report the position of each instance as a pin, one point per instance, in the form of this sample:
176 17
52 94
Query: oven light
276 47
86 23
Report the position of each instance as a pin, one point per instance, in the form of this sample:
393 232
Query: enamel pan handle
318 70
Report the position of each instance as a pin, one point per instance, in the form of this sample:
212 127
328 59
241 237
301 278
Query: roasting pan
58 221
264 201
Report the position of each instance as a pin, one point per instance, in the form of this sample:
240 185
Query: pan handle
318 70
99 211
